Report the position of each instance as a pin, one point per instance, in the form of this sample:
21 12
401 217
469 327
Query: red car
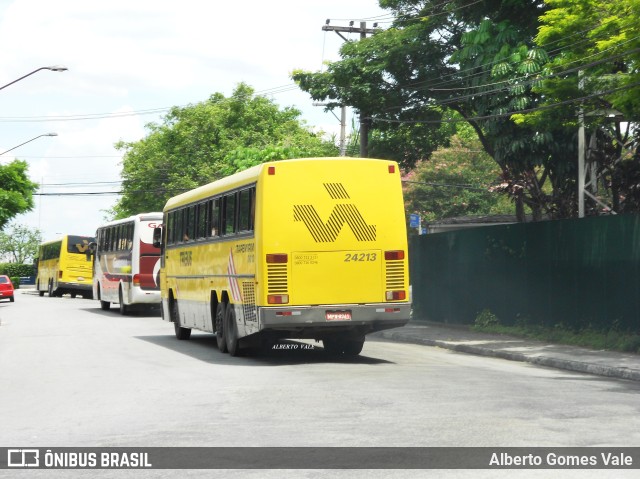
6 288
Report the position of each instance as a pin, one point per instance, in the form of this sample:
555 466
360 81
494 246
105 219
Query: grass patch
612 340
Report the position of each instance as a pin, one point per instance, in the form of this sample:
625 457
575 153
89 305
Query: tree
594 68
16 191
200 143
476 59
20 243
456 181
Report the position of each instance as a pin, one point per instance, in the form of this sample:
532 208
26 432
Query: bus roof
63 237
156 215
246 177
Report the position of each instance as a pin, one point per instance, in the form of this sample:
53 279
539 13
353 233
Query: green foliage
611 339
486 319
495 63
200 143
456 181
600 45
16 191
20 243
14 270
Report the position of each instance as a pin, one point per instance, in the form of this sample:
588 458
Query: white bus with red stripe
126 264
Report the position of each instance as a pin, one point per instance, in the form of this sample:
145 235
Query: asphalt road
74 375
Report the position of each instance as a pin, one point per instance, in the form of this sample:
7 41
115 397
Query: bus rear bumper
70 286
314 322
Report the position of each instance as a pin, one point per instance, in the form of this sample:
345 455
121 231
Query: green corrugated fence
578 272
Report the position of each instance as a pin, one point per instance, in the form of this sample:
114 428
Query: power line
504 115
101 116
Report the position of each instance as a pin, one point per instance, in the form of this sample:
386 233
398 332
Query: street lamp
28 141
55 68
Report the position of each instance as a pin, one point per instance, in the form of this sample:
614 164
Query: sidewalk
571 358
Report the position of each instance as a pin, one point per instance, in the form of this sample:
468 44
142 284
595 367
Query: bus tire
40 291
221 338
123 307
231 331
332 346
50 289
353 347
181 333
340 347
104 305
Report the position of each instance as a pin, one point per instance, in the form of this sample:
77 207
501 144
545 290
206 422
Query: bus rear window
78 244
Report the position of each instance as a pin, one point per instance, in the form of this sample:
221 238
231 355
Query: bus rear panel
333 256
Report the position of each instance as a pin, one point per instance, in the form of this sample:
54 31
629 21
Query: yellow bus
64 267
301 249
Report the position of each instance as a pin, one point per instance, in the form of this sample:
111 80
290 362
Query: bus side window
190 227
178 231
201 225
244 212
229 213
214 206
171 217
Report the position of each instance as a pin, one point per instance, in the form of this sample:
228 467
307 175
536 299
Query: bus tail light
277 258
392 169
60 274
278 298
394 255
136 280
271 170
288 313
396 295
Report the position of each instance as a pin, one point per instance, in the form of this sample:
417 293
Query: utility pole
364 122
343 126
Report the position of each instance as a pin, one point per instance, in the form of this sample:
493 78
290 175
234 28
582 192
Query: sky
129 61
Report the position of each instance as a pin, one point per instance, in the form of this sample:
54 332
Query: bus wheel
339 347
51 289
40 292
104 305
353 347
181 333
123 307
221 338
231 330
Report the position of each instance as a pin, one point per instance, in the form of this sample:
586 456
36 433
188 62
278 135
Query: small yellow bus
302 249
64 267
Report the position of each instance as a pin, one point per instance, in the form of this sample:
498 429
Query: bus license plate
338 315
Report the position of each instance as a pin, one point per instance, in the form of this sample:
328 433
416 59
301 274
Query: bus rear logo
342 213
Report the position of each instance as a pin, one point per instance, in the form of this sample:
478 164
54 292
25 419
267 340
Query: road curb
558 363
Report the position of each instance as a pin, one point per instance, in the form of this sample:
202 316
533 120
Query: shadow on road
285 353
113 312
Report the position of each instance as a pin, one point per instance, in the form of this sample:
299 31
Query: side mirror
157 237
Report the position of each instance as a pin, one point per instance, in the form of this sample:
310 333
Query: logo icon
23 458
343 213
